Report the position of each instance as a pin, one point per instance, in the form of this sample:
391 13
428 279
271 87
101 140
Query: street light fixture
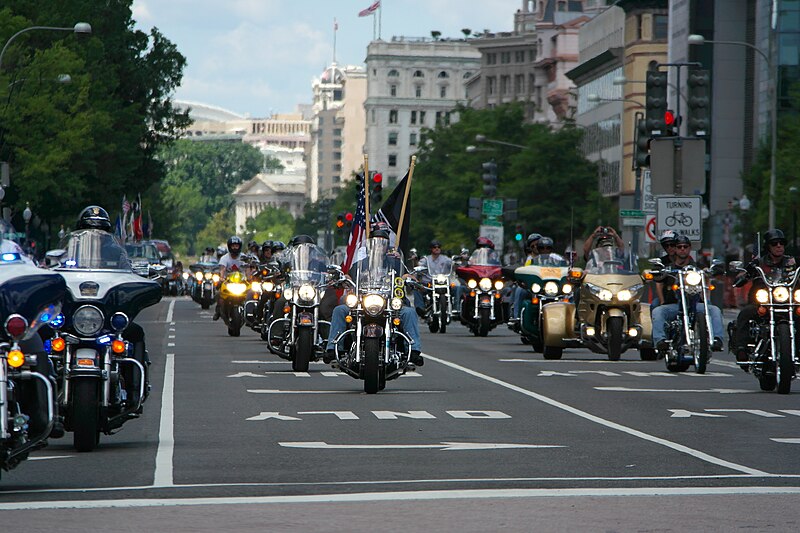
482 139
80 27
695 39
592 97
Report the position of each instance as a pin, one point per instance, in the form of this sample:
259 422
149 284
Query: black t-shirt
669 295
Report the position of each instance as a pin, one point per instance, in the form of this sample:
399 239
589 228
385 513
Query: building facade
281 191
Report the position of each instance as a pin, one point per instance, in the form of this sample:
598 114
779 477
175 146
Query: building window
443 91
491 59
337 156
504 84
393 73
467 75
443 74
531 82
392 90
393 116
372 115
418 91
519 84
412 139
337 143
337 132
336 179
392 160
491 85
439 115
660 26
422 118
392 138
505 57
321 121
337 167
419 74
413 117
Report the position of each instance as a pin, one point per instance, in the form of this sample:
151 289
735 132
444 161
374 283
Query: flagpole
380 10
335 28
366 195
405 199
373 26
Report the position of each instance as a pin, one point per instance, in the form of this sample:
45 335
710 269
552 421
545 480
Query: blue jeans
667 312
408 323
520 295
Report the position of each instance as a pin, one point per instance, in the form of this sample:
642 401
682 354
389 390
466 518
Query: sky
259 57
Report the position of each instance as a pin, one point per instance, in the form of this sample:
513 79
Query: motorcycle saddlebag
646 322
558 321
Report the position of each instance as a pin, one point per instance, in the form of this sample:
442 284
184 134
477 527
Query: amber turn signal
16 358
118 346
58 344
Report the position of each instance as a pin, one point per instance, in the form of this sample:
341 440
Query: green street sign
493 208
631 213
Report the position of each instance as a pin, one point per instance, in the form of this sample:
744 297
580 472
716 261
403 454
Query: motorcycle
607 315
438 298
265 289
298 336
482 308
689 334
204 287
30 298
102 377
773 352
547 278
233 292
378 350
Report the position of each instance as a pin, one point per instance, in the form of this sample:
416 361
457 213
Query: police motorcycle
607 316
29 298
690 334
438 297
102 376
377 350
299 334
205 281
773 347
547 279
482 308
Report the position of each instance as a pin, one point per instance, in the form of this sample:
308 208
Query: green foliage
272 165
216 231
271 224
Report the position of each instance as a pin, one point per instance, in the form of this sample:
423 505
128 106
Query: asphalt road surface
487 435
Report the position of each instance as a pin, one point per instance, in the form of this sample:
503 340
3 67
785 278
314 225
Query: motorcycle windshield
308 264
143 251
484 257
93 249
611 260
379 266
553 260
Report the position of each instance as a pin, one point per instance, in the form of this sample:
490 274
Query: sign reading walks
680 214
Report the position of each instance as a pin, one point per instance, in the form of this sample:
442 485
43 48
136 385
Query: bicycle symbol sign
680 214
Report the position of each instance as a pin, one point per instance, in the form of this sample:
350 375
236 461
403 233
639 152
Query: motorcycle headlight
237 289
268 286
215 278
185 275
374 304
693 278
485 284
440 279
605 295
199 275
255 287
551 288
535 288
624 295
567 288
797 296
762 296
396 304
781 294
351 300
87 320
498 284
288 293
307 292
472 284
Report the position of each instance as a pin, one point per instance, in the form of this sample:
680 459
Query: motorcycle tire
85 415
703 348
304 349
614 328
648 354
433 325
443 313
235 326
767 380
552 352
785 363
484 323
371 365
204 305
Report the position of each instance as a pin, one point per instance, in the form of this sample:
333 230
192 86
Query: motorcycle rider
265 256
773 258
408 318
603 236
436 263
667 241
520 293
230 261
668 309
208 256
253 248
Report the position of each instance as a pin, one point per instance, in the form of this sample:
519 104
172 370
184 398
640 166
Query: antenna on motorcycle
758 244
571 237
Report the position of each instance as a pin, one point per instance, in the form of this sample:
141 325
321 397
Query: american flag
370 10
356 243
126 205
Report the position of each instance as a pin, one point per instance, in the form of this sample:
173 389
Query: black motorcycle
204 281
29 298
102 376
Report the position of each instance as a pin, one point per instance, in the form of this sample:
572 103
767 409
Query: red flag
356 241
370 10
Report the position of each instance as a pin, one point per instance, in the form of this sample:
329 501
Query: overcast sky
257 57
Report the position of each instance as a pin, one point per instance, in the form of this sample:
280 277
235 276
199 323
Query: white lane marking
720 391
46 457
277 391
607 423
166 438
787 441
724 363
756 412
327 374
647 492
171 336
170 344
442 446
567 361
259 362
170 312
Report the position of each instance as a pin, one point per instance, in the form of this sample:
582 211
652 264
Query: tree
271 224
217 231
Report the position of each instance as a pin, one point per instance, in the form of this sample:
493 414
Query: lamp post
26 215
80 27
592 97
482 139
773 97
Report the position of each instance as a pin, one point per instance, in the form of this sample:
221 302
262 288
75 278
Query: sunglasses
682 246
546 249
776 243
435 247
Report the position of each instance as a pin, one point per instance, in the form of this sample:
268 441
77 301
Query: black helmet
545 242
379 226
267 244
484 242
667 237
774 235
301 239
94 217
379 234
435 244
682 239
532 238
232 241
251 245
209 249
277 246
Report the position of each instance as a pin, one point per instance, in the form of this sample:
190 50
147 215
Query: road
485 435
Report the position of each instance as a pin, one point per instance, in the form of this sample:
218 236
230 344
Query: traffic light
656 102
340 223
348 220
376 194
490 178
672 123
699 100
510 209
642 155
519 233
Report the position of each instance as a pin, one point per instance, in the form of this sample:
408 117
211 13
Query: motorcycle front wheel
785 363
85 415
372 367
304 347
484 322
443 313
614 328
701 356
235 327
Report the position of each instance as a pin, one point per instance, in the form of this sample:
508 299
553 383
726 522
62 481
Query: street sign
492 208
650 229
680 214
633 221
648 200
631 213
493 233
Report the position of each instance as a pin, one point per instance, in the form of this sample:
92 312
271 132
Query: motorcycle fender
485 300
372 331
614 311
305 319
558 322
646 322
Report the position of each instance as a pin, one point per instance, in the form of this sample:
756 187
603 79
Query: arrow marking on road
719 391
46 457
787 441
443 446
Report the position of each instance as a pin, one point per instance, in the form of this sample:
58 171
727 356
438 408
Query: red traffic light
339 224
378 177
349 217
669 118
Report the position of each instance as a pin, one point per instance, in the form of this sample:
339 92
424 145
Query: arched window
443 74
393 73
467 75
419 74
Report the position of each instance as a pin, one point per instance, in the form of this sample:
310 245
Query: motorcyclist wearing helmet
435 263
603 236
531 245
667 241
537 245
278 247
253 248
208 256
265 255
408 318
221 250
773 258
94 217
668 310
230 261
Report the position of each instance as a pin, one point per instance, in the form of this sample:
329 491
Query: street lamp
592 97
773 96
80 27
26 215
482 139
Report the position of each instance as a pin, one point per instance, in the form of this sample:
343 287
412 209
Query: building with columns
282 191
